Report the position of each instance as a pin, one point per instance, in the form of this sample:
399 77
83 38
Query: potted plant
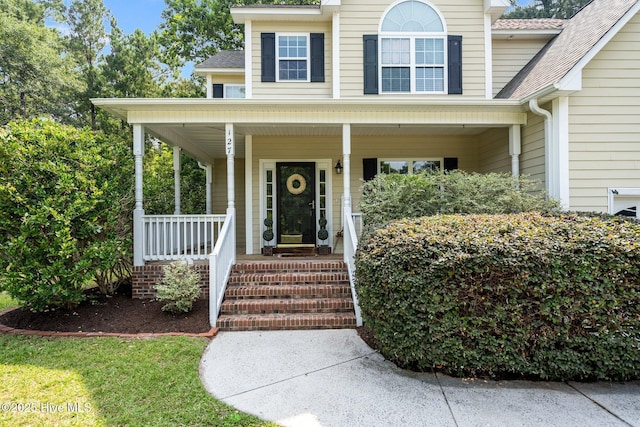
268 235
323 235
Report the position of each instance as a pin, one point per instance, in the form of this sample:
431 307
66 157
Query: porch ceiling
197 125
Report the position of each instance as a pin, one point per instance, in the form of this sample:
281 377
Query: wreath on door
301 186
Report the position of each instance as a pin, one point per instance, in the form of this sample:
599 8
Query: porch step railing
221 262
350 247
173 237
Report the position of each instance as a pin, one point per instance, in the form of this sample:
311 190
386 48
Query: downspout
548 137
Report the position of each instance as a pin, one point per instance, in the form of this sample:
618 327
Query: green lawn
6 301
108 381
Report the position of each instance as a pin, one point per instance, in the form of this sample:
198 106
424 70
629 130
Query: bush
180 287
395 196
553 297
62 194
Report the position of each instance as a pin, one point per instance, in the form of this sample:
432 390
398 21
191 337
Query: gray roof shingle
224 59
579 35
528 24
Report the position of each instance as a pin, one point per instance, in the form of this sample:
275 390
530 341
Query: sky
133 14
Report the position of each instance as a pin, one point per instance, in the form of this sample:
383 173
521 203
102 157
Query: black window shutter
369 169
268 57
218 90
370 64
450 164
317 57
455 65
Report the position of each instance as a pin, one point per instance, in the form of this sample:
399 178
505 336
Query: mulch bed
112 314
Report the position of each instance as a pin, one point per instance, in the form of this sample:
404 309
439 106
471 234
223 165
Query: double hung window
293 57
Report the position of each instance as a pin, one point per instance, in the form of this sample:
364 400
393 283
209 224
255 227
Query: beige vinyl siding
462 17
532 156
604 124
290 90
231 79
509 56
219 197
493 154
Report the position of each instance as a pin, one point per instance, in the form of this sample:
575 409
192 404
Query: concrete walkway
332 378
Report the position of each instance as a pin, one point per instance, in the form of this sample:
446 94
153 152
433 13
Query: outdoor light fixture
338 168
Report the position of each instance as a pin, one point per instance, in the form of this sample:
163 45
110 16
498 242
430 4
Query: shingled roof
579 35
528 24
224 59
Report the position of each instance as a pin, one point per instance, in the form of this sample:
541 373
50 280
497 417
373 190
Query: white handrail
220 263
350 247
173 237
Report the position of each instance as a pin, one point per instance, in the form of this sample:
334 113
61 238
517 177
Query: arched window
413 54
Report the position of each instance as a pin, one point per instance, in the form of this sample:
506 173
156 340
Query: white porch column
177 169
138 212
515 149
230 149
346 164
208 169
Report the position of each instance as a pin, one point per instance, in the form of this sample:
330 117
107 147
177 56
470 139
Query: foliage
62 194
560 9
180 287
549 296
194 30
122 382
35 77
396 196
6 301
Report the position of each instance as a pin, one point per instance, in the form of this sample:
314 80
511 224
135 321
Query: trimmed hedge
397 196
528 295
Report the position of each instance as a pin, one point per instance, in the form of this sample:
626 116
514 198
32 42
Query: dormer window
412 49
412 53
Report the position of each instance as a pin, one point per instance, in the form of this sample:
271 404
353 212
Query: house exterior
324 97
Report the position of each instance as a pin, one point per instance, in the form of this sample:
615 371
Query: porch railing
350 247
220 263
357 222
173 237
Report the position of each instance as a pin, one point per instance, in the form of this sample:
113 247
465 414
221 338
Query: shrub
180 287
554 297
62 194
395 196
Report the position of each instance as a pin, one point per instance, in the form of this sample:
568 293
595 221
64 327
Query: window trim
410 162
307 37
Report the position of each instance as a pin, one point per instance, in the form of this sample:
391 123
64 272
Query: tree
86 40
36 78
132 68
560 9
63 195
194 30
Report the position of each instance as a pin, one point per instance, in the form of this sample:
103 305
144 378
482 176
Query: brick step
286 321
289 267
297 305
242 291
296 278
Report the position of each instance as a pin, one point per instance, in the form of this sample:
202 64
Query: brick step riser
317 277
240 292
335 267
286 307
292 322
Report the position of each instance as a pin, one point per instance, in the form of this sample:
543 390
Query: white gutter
550 180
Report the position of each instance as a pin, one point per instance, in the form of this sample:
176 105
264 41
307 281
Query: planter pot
291 238
267 251
324 250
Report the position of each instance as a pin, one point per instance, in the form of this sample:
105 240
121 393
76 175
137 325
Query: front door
296 203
